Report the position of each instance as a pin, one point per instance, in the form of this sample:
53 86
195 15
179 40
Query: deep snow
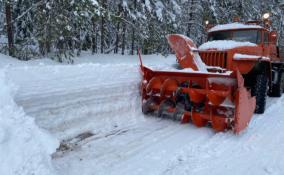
93 107
222 45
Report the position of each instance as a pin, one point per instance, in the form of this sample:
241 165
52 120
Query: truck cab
253 34
251 49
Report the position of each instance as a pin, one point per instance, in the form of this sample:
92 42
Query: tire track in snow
256 151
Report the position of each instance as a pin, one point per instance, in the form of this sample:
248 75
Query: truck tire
259 90
282 82
278 88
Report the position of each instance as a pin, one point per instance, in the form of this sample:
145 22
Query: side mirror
273 37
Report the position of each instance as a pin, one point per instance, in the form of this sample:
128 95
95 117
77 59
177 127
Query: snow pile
238 56
222 45
200 64
175 68
233 26
222 81
24 148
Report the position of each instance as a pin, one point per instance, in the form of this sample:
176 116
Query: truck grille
214 58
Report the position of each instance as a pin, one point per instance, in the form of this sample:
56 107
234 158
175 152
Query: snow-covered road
94 109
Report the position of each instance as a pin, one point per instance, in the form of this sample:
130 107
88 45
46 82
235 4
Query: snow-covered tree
62 29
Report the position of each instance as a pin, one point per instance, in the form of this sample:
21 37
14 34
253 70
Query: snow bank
24 148
224 45
7 61
233 26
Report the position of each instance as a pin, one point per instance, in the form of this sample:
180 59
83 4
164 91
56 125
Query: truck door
266 47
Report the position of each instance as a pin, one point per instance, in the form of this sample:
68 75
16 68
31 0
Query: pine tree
9 26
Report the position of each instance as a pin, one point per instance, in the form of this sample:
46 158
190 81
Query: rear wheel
259 90
278 88
282 82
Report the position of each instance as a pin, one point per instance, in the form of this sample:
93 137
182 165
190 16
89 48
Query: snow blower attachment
198 94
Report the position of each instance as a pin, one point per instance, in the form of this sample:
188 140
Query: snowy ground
93 108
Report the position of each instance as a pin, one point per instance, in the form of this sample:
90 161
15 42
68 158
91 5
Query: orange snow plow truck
220 84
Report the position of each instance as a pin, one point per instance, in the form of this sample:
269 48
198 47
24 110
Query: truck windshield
252 36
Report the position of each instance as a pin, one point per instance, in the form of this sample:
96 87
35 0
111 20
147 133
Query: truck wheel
259 90
278 88
282 83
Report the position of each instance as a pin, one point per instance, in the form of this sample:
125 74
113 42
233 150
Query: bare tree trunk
117 37
47 36
118 28
190 18
123 40
133 32
96 41
133 41
102 35
123 44
9 27
94 37
103 23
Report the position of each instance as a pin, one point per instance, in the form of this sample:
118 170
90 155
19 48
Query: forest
62 29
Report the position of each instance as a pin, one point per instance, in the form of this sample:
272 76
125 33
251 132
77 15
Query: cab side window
258 40
266 38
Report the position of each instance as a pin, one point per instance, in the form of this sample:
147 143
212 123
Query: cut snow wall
25 149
